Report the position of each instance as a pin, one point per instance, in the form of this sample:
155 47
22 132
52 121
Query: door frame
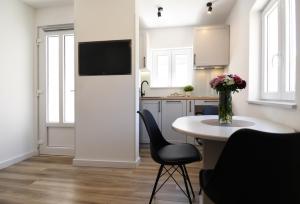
42 125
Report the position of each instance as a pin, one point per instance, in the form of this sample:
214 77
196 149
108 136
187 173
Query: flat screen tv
105 58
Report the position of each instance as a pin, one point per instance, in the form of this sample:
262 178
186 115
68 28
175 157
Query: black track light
209 5
160 9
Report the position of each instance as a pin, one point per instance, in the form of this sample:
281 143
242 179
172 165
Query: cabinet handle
173 101
159 106
209 101
144 62
194 59
190 106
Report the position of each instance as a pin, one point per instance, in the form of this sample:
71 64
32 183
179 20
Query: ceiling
183 12
176 12
48 3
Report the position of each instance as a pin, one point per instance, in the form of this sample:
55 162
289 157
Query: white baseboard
17 159
65 151
106 164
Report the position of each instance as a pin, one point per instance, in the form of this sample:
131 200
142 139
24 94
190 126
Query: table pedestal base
211 153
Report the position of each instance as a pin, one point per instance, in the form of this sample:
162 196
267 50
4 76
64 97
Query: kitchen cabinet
154 106
144 44
190 107
166 111
211 46
190 111
171 110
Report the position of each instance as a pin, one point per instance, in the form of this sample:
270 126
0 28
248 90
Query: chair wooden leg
189 181
185 183
156 181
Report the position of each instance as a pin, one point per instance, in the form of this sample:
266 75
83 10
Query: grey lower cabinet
165 112
190 111
154 106
171 110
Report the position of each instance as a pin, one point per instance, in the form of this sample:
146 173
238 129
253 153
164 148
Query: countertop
179 98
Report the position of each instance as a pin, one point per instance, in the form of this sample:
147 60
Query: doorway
56 91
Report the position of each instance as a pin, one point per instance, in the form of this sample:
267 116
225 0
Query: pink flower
242 85
237 79
219 80
230 82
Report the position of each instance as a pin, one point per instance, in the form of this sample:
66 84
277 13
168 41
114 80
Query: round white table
214 136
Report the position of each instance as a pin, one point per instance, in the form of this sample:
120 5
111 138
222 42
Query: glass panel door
56 92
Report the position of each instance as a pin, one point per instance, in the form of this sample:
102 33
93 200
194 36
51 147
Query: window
171 67
60 77
69 80
53 79
279 50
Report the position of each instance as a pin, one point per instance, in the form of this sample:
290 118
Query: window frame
283 46
171 52
61 35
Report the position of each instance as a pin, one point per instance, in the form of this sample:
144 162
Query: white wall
17 140
175 38
55 15
106 105
171 37
239 22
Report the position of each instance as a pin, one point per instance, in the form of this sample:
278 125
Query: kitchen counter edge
179 98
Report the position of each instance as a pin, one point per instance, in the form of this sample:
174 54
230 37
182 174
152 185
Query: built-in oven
201 104
199 107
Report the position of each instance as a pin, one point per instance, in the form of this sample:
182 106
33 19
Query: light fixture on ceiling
160 9
209 6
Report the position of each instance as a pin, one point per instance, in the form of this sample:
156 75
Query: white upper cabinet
211 46
144 41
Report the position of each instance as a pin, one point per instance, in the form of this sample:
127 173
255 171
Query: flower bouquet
225 85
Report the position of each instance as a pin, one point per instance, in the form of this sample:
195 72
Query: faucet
143 92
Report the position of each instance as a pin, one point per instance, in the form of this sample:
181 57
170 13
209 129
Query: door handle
39 92
144 63
159 106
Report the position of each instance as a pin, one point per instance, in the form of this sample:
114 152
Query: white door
154 106
56 90
171 110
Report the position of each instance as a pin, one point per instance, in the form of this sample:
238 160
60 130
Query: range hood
209 67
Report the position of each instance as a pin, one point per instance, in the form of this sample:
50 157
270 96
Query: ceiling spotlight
209 6
160 9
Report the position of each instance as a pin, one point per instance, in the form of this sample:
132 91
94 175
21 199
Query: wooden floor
53 180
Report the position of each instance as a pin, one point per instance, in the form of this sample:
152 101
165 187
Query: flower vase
225 107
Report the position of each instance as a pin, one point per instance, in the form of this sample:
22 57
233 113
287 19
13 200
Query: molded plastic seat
165 153
255 168
178 154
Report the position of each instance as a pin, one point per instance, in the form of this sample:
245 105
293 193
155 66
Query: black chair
210 110
176 156
207 110
256 168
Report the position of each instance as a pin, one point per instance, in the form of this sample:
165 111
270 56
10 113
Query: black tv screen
105 58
